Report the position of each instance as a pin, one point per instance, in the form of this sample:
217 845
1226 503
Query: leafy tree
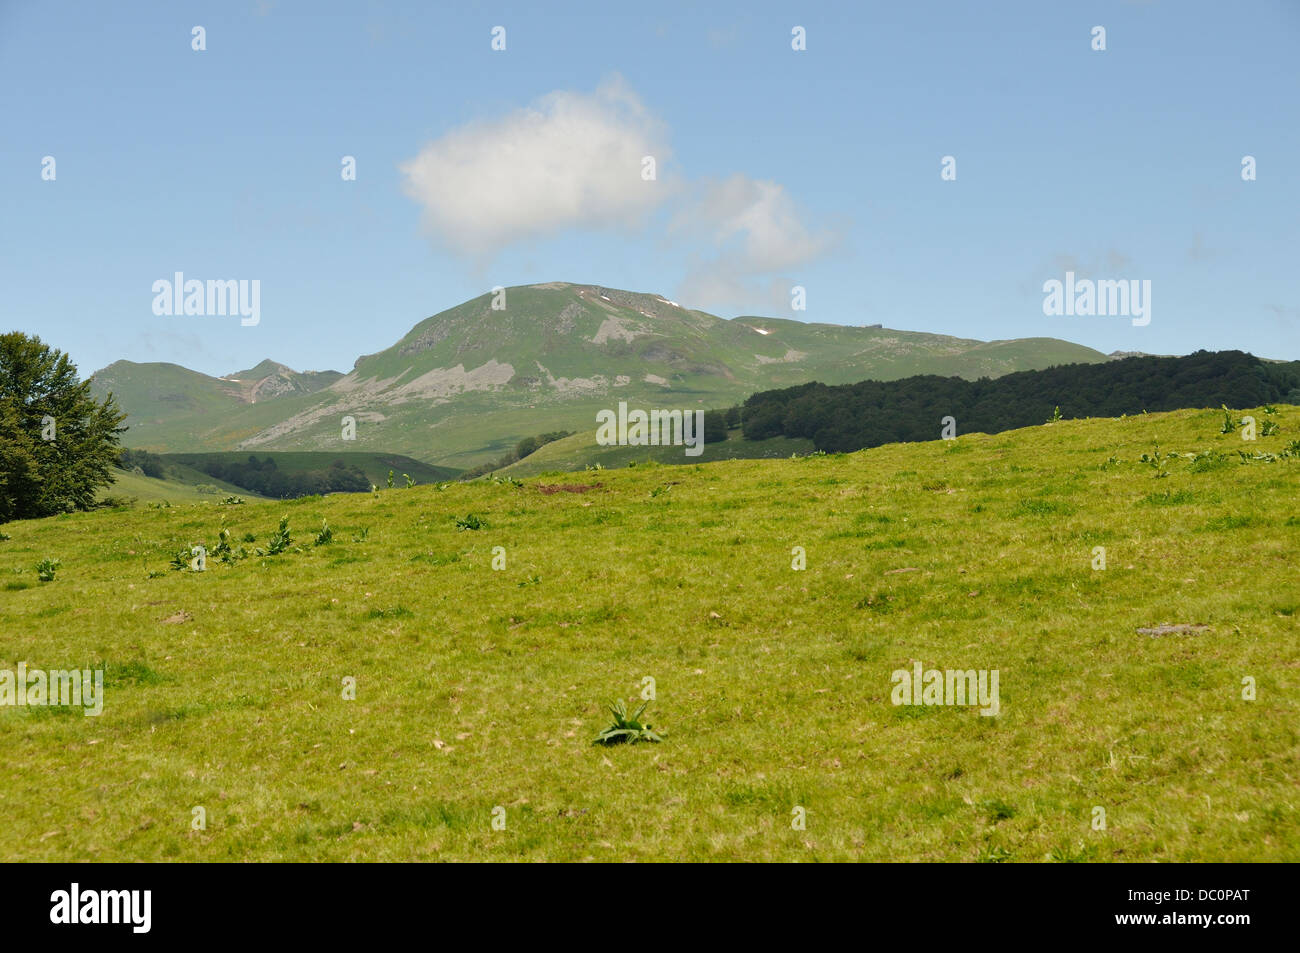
57 443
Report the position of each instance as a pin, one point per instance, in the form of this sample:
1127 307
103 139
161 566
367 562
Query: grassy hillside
580 450
181 486
478 689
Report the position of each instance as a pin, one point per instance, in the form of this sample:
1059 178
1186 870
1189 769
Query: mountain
464 385
269 379
164 401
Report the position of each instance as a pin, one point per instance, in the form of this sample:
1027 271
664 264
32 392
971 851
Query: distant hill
164 401
180 485
466 384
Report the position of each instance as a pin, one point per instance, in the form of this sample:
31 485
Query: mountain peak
265 369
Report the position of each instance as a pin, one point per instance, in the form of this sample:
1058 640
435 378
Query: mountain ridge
467 382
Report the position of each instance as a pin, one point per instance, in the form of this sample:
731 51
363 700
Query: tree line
267 479
848 417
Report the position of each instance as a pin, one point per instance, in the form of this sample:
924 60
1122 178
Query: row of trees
150 464
267 479
853 416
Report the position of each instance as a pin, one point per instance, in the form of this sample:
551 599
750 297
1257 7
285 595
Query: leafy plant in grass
1228 424
1269 428
1156 462
362 536
390 479
326 535
626 729
46 568
227 553
409 482
181 560
233 501
1056 415
279 540
470 522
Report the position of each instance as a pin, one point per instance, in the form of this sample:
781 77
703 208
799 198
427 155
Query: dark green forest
264 477
848 417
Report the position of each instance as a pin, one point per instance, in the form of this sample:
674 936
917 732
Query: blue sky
475 167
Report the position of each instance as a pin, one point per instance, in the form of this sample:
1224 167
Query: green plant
233 501
1269 428
325 535
470 522
46 568
362 536
1228 425
1056 415
225 552
626 728
279 540
181 560
390 479
409 482
1156 462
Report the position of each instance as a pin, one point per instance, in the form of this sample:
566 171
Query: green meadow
479 688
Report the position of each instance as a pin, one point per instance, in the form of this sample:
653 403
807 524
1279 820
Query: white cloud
574 160
569 160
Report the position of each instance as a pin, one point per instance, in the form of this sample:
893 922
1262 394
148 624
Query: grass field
479 689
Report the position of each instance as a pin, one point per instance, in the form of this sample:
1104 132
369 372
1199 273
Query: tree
715 426
57 443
